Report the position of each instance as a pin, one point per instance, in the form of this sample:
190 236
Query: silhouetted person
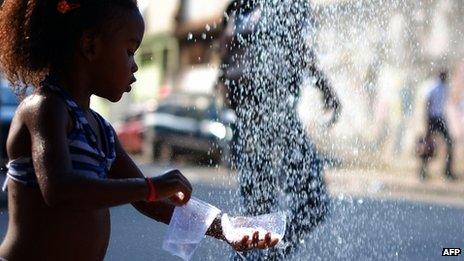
437 124
265 58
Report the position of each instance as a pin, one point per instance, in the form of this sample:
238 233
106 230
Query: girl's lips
129 87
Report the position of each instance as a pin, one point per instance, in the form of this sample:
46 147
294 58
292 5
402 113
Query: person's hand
174 186
254 243
332 103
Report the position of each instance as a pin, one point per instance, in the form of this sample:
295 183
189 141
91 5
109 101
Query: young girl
66 166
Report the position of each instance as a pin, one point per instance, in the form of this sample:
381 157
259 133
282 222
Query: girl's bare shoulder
42 107
36 115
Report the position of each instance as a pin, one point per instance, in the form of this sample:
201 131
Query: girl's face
113 66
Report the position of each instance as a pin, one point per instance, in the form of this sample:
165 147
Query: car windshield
196 107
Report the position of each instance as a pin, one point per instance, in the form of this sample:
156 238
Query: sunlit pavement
368 223
376 215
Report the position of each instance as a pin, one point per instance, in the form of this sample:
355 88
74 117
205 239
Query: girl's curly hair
35 37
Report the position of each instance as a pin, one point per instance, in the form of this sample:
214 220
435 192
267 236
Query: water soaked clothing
86 156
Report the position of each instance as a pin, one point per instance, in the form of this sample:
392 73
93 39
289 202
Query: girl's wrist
151 195
215 230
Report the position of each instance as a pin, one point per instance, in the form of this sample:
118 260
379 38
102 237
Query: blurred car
130 133
190 123
8 104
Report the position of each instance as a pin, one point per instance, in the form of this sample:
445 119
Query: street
358 228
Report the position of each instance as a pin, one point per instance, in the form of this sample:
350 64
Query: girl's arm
46 118
124 167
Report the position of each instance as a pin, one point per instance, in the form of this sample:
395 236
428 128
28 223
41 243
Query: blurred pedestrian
265 56
437 125
67 167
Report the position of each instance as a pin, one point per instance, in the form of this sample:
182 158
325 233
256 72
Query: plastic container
234 228
188 227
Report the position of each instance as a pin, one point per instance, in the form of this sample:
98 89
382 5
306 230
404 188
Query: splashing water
278 166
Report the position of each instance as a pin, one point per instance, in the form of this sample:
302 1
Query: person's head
443 75
38 37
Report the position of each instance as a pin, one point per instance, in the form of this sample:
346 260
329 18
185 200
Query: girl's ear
87 46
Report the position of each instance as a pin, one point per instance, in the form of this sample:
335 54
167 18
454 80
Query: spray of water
277 164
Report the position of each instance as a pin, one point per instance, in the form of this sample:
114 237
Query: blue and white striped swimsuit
86 157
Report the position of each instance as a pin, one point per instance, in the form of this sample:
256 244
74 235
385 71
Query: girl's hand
254 243
174 186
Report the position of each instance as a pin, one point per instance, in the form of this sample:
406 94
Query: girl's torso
36 231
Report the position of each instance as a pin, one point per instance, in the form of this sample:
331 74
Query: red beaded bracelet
151 197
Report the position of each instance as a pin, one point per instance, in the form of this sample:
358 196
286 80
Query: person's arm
215 230
323 84
329 96
62 187
124 167
225 36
